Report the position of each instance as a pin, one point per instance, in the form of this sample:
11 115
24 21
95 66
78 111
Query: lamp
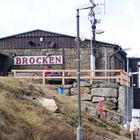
82 7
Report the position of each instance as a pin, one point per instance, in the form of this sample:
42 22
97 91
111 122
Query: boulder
49 104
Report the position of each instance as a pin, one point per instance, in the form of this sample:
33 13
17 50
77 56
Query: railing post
91 76
43 73
14 73
63 78
121 81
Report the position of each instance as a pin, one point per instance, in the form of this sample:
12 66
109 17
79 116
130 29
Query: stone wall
114 98
69 57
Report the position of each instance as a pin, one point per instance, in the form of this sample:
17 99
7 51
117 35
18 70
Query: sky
120 19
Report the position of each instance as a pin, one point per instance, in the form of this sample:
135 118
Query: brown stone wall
69 57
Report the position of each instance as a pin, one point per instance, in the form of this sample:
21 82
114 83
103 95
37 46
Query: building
134 64
38 48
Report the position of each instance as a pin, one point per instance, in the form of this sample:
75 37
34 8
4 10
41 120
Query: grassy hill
22 119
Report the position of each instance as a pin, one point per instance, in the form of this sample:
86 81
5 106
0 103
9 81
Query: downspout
109 58
105 66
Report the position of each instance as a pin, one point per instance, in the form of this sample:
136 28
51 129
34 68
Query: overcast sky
120 21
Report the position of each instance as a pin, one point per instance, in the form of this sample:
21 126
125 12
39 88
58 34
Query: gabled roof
38 32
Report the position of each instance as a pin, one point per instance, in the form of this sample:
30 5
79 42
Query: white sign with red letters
37 60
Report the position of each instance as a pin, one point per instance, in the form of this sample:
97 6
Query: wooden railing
119 76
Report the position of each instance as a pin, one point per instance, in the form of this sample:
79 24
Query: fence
119 76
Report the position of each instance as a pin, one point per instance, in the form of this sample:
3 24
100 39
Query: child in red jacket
99 109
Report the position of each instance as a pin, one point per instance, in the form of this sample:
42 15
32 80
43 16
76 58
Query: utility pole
93 22
93 27
82 7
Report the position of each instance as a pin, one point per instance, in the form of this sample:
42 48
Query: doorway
4 65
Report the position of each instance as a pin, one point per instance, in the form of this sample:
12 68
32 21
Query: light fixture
99 31
97 10
41 39
13 54
85 6
82 37
47 54
98 21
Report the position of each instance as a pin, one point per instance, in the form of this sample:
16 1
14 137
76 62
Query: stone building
38 48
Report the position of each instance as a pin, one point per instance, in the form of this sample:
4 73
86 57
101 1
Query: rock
105 92
66 91
67 86
108 85
52 87
104 84
82 84
49 104
109 105
97 99
88 108
113 100
84 97
83 90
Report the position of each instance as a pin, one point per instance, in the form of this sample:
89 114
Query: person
99 109
47 68
60 90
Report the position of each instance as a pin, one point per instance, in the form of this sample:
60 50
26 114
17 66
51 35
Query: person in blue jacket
60 90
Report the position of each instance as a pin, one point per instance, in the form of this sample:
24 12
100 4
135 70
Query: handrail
119 75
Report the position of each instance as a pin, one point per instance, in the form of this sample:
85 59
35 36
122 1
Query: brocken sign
35 60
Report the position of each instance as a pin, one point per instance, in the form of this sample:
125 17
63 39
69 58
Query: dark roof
54 34
134 58
37 30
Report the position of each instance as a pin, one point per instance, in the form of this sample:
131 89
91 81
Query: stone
108 85
66 91
104 92
113 100
84 97
109 105
88 108
52 87
67 86
82 84
83 90
49 104
97 99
